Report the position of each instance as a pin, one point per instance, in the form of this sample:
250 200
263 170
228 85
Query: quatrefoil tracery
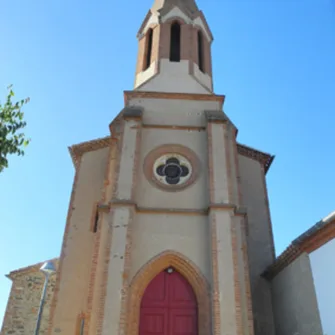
172 170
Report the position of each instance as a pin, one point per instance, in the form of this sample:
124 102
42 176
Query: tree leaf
11 122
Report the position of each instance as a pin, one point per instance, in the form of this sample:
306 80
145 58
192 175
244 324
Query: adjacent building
302 280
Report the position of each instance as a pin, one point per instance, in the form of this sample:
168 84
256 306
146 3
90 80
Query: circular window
171 167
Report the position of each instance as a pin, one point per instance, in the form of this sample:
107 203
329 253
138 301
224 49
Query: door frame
150 270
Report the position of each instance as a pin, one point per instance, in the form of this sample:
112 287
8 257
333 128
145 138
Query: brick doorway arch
188 270
169 306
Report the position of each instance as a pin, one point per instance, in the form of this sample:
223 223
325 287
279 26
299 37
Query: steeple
165 5
174 52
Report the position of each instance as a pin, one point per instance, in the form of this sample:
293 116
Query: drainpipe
82 325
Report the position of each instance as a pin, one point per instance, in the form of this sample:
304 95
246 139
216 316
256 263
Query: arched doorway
169 306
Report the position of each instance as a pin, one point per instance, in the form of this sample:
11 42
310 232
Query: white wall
173 77
323 269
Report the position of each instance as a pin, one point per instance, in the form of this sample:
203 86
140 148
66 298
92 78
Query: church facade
168 229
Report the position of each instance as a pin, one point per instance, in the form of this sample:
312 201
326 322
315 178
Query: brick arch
186 268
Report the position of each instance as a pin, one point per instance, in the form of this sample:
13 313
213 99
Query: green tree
12 139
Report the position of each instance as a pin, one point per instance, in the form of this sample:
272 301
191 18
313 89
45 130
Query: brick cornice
77 150
128 95
317 236
264 158
291 253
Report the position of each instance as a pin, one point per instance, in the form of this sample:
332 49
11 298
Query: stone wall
24 300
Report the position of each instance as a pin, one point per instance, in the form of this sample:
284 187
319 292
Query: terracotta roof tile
264 158
319 234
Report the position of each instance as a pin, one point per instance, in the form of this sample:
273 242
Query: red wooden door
168 306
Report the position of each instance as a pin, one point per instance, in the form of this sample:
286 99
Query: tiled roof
319 234
264 158
78 149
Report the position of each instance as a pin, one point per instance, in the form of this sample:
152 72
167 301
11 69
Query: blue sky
274 60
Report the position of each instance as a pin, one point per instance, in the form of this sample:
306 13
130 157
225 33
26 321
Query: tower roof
163 5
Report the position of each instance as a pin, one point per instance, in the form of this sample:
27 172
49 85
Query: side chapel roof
315 237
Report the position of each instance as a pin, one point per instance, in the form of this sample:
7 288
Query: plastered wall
294 300
260 242
324 278
71 299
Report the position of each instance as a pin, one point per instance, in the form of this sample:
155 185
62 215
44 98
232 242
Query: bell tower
174 53
169 229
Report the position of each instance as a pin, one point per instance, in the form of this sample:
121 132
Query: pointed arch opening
168 306
201 51
190 274
175 42
148 49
